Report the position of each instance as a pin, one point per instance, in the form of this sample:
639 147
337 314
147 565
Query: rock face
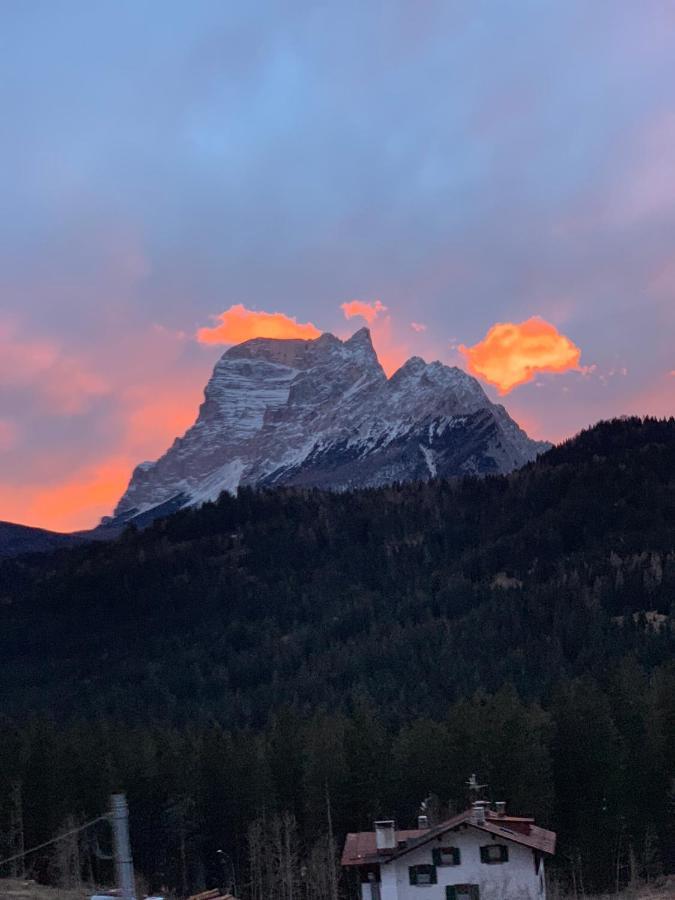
323 413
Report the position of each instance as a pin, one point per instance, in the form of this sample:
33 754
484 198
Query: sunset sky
490 184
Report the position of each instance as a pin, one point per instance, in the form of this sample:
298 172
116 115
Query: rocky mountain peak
361 342
322 412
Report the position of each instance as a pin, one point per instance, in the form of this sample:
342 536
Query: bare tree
321 879
256 860
66 861
285 857
16 832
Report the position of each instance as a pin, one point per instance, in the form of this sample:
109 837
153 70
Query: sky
489 184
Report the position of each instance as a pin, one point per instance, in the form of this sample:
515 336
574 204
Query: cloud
62 383
511 354
239 324
418 327
648 190
367 310
8 434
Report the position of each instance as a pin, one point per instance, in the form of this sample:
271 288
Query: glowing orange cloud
511 354
367 311
239 324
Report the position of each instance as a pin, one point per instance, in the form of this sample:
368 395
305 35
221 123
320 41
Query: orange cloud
239 324
367 311
418 327
511 354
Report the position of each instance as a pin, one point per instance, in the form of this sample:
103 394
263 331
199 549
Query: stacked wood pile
213 894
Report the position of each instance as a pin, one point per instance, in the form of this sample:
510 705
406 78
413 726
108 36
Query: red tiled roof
537 838
360 848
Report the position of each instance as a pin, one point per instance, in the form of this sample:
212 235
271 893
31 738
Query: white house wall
512 880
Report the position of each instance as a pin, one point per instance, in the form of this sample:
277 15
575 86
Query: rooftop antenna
475 789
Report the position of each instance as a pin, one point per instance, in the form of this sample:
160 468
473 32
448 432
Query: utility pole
124 865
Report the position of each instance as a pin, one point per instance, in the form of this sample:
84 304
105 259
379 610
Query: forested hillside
16 539
256 654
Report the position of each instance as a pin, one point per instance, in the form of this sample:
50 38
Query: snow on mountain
323 413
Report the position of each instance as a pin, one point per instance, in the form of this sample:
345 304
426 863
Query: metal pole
124 865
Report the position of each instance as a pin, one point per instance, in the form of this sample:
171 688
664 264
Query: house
480 854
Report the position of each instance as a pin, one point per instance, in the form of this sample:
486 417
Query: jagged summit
322 412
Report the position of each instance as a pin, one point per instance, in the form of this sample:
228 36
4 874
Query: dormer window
494 853
446 856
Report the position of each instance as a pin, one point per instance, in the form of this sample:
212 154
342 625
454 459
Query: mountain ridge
323 413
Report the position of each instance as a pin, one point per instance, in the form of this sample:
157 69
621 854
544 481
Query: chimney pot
422 822
500 808
479 812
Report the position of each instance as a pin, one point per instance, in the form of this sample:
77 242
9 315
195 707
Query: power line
54 840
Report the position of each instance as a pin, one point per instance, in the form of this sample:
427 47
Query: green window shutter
427 873
475 892
446 856
488 854
450 893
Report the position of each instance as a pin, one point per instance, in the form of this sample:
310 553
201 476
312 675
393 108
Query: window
446 856
494 853
422 874
369 874
462 892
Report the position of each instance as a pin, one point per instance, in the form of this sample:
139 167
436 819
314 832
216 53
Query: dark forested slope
384 643
417 594
17 539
